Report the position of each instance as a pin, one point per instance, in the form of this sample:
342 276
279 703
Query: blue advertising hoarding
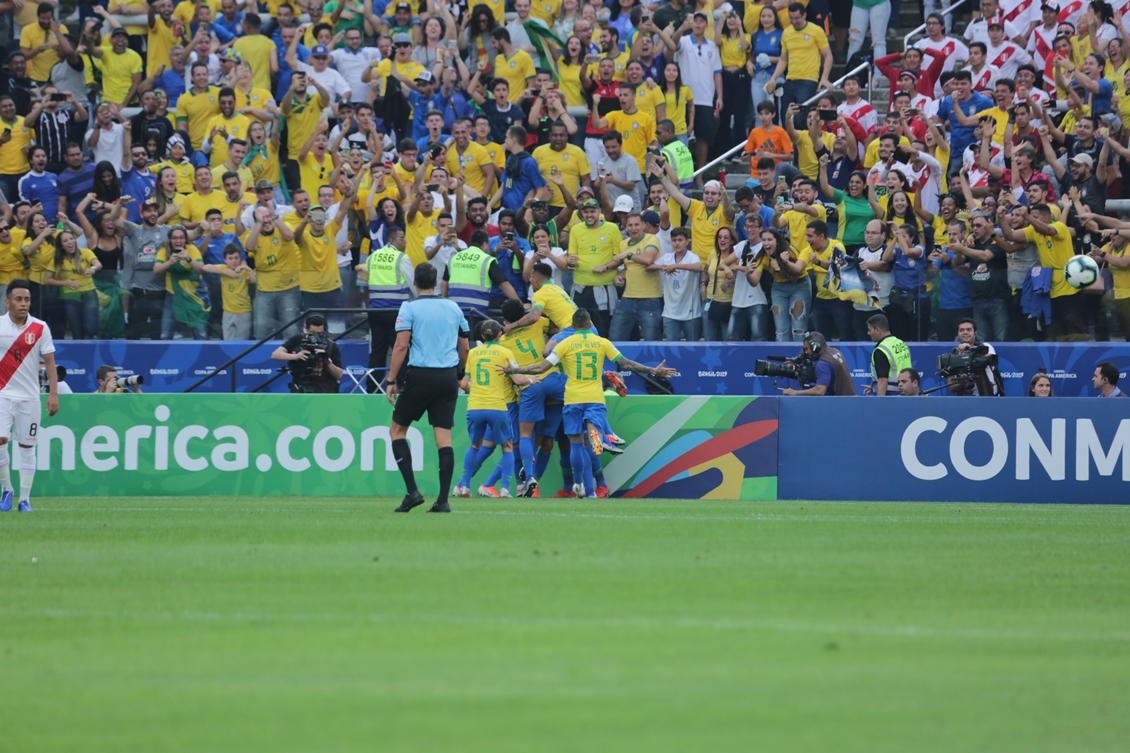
703 368
934 449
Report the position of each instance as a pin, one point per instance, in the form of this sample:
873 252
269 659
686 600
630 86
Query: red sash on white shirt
24 344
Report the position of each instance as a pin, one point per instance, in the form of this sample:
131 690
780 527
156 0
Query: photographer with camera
110 383
315 361
974 371
818 368
891 355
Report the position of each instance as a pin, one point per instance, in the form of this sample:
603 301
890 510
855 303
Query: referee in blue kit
433 333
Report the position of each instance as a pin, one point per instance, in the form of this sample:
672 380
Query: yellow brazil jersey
66 271
319 270
276 263
236 127
186 174
229 209
871 155
571 162
39 67
40 260
160 41
804 48
257 98
235 292
527 343
315 174
256 50
490 390
594 247
1054 253
729 52
409 70
117 73
648 99
677 108
264 164
416 232
582 359
244 174
704 227
471 161
556 304
302 121
798 223
570 84
13 155
640 282
515 69
163 256
197 205
185 10
408 178
637 130
497 9
819 271
620 67
546 10
1121 277
197 110
11 261
807 162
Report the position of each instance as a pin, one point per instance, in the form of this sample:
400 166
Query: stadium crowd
210 169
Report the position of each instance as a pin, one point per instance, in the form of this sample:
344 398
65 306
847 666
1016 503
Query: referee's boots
414 499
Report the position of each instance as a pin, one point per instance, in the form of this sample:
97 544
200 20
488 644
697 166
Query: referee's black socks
446 472
402 451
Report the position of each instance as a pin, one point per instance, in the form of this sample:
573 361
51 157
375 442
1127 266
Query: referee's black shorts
431 391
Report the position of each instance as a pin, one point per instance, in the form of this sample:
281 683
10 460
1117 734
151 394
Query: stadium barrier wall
339 445
704 368
1067 450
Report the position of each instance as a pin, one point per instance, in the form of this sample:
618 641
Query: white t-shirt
330 80
109 146
681 301
1007 58
344 260
746 295
1040 45
931 173
1021 12
214 69
863 113
953 50
977 176
978 31
22 346
443 254
554 251
351 65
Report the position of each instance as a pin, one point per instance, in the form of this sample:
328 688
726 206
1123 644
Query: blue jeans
750 323
169 324
757 92
790 309
833 316
274 309
675 330
646 312
991 317
713 332
796 90
82 315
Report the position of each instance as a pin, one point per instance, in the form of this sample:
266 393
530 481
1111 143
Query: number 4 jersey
20 350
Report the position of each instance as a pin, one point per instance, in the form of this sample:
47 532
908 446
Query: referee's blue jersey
436 325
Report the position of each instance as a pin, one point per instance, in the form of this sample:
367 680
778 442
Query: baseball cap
623 204
425 76
585 189
402 38
700 13
119 30
650 217
1083 159
149 202
592 204
404 6
319 50
264 185
995 22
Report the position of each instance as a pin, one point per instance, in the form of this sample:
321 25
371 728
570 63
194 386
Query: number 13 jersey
582 357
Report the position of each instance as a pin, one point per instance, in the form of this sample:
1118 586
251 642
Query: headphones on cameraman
813 344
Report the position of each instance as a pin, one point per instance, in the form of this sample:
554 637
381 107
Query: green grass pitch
282 624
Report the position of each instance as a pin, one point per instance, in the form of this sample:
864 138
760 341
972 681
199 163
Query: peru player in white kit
23 340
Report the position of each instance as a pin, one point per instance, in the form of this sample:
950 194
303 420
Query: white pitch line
595 623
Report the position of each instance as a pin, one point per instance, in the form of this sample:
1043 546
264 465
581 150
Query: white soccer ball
1080 271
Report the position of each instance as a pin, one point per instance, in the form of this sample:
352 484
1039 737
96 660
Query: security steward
389 272
470 275
833 377
427 362
891 355
675 152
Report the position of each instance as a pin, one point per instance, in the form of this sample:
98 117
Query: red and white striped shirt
1007 58
863 113
20 350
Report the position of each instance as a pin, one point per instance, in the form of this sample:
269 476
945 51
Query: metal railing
943 13
838 82
230 363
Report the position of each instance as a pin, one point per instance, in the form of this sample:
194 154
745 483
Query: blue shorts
534 397
575 417
492 425
551 423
